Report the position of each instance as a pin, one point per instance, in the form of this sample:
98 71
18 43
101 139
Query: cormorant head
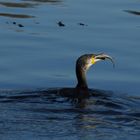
87 60
83 64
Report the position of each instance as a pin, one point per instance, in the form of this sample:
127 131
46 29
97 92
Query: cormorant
83 63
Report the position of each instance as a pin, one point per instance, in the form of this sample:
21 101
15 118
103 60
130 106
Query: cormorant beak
102 56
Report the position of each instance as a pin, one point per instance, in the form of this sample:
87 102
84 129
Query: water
43 114
41 55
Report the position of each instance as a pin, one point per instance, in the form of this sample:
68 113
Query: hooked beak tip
104 57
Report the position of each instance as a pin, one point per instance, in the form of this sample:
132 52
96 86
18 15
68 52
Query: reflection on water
44 113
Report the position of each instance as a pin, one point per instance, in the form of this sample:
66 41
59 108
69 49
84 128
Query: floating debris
61 24
20 25
14 22
82 24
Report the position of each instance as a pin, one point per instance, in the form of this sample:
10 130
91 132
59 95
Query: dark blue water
37 54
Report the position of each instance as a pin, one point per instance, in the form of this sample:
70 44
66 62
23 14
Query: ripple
133 12
47 109
50 1
16 15
18 5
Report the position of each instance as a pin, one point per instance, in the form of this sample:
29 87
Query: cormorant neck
81 77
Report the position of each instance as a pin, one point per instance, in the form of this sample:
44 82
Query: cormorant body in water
83 63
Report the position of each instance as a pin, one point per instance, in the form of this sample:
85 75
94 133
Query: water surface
44 114
37 53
